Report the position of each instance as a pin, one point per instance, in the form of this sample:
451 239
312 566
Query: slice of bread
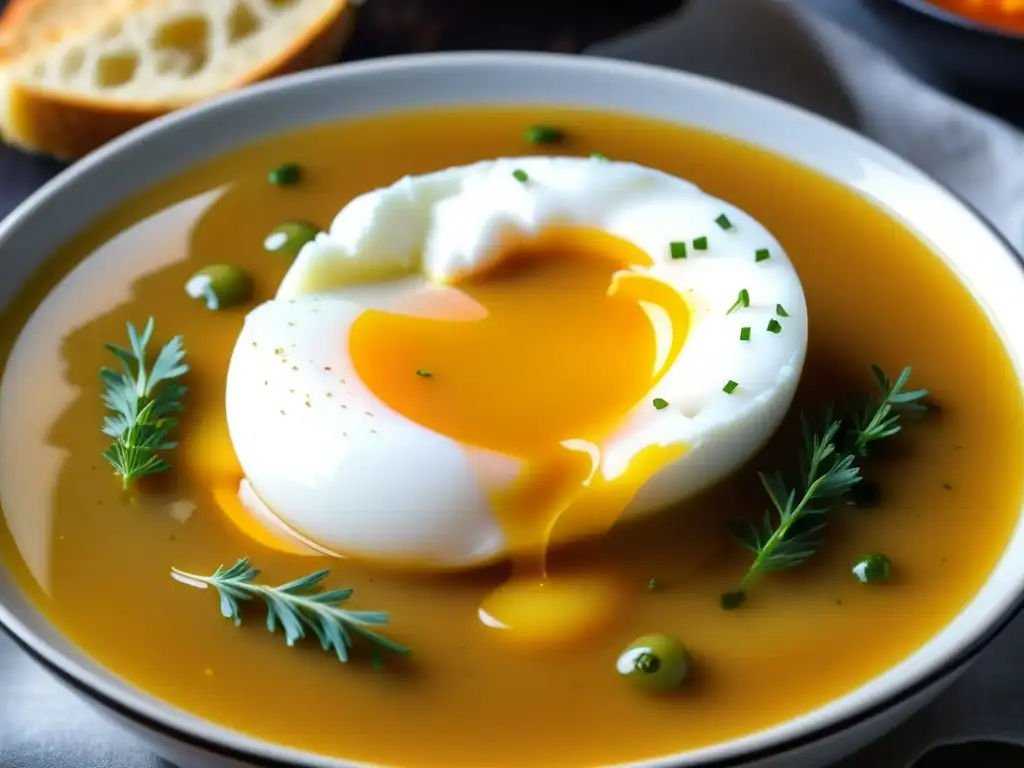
72 79
30 25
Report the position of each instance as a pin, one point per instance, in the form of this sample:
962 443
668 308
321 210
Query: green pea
544 134
655 663
220 285
285 175
288 238
872 568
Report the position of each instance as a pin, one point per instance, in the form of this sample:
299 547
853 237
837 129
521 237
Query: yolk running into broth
566 349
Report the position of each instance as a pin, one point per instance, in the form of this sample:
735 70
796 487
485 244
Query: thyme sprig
878 417
142 401
792 530
299 607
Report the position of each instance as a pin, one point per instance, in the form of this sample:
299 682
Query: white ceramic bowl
984 262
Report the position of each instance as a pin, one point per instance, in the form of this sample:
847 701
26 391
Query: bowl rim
960 21
138 706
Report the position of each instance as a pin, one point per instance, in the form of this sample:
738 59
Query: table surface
44 726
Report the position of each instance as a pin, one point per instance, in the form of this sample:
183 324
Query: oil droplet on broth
564 350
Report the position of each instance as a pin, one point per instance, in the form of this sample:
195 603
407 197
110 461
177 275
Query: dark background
42 726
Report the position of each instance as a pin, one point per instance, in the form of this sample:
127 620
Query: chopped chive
774 326
781 311
723 222
730 387
544 134
652 584
597 156
660 404
677 250
762 254
423 374
285 175
742 301
745 333
700 243
521 175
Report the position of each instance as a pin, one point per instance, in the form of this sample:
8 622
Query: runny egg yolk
567 346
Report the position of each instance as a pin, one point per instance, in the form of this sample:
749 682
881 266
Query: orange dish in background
1005 15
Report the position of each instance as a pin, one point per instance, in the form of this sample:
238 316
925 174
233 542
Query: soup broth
97 561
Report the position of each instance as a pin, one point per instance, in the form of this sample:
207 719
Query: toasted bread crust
321 46
44 123
59 124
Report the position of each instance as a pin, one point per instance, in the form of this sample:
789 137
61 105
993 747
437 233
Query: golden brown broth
875 293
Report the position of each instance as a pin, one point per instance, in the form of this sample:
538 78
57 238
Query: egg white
336 464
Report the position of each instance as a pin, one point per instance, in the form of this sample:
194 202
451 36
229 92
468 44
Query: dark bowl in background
967 54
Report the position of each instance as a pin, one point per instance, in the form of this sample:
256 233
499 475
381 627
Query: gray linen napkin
784 49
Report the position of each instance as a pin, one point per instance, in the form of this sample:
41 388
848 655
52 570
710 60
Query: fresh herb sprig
298 607
142 401
877 418
791 531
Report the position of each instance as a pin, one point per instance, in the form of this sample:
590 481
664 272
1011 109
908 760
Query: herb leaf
742 301
298 608
879 417
777 542
791 531
142 402
544 134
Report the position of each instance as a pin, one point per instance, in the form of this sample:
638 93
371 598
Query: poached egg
472 361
